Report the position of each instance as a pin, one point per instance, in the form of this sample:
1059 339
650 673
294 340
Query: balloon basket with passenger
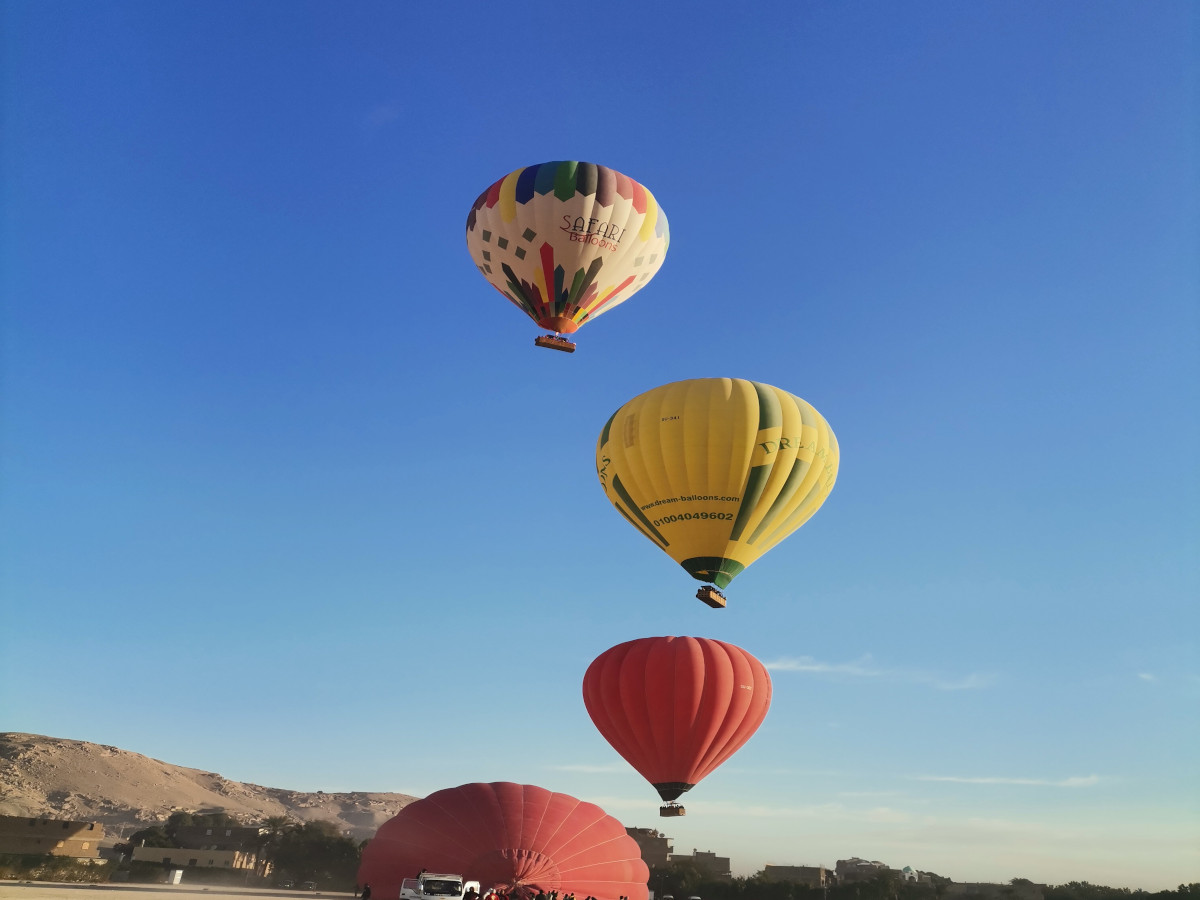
554 342
711 596
671 809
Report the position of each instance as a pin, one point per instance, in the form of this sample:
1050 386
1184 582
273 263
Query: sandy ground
43 890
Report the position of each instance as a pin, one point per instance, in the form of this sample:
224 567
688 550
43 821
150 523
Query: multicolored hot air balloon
517 837
566 242
676 707
716 471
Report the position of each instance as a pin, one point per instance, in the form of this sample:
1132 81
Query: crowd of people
525 893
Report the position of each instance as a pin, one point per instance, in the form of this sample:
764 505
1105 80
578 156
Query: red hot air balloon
516 837
676 707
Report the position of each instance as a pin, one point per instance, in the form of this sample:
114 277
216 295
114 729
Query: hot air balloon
676 707
517 837
566 242
716 471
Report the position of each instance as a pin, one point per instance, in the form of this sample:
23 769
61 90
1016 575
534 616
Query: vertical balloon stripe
560 295
647 230
547 175
660 705
624 186
639 198
631 677
607 429
755 483
508 197
770 415
660 225
586 179
610 704
733 732
711 663
564 180
795 478
526 181
524 292
633 509
576 285
547 254
493 193
606 186
592 271
635 523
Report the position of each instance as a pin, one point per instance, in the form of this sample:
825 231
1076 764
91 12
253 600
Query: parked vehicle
435 886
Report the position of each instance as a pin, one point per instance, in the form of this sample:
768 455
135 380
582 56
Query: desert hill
58 778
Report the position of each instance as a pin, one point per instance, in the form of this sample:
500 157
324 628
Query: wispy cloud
1073 782
1147 676
864 667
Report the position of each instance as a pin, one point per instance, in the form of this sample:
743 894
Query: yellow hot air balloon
566 242
716 471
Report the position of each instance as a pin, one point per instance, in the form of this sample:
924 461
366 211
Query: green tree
154 836
317 851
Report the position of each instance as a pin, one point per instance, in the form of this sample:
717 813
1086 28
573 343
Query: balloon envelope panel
502 834
676 707
717 471
567 241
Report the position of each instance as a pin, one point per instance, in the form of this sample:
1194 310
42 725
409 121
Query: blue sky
284 479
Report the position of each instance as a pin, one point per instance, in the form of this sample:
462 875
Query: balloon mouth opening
716 569
671 790
559 324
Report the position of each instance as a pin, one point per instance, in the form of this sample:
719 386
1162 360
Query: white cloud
1147 676
865 668
1073 782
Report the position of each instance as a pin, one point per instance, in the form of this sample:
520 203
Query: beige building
57 837
812 876
209 859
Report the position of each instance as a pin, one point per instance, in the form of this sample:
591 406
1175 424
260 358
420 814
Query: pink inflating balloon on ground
514 836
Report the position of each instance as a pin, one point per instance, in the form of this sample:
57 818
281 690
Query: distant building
812 876
210 847
206 859
656 848
707 862
231 837
850 871
56 837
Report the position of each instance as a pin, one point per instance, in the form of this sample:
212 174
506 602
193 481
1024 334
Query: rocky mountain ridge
66 779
